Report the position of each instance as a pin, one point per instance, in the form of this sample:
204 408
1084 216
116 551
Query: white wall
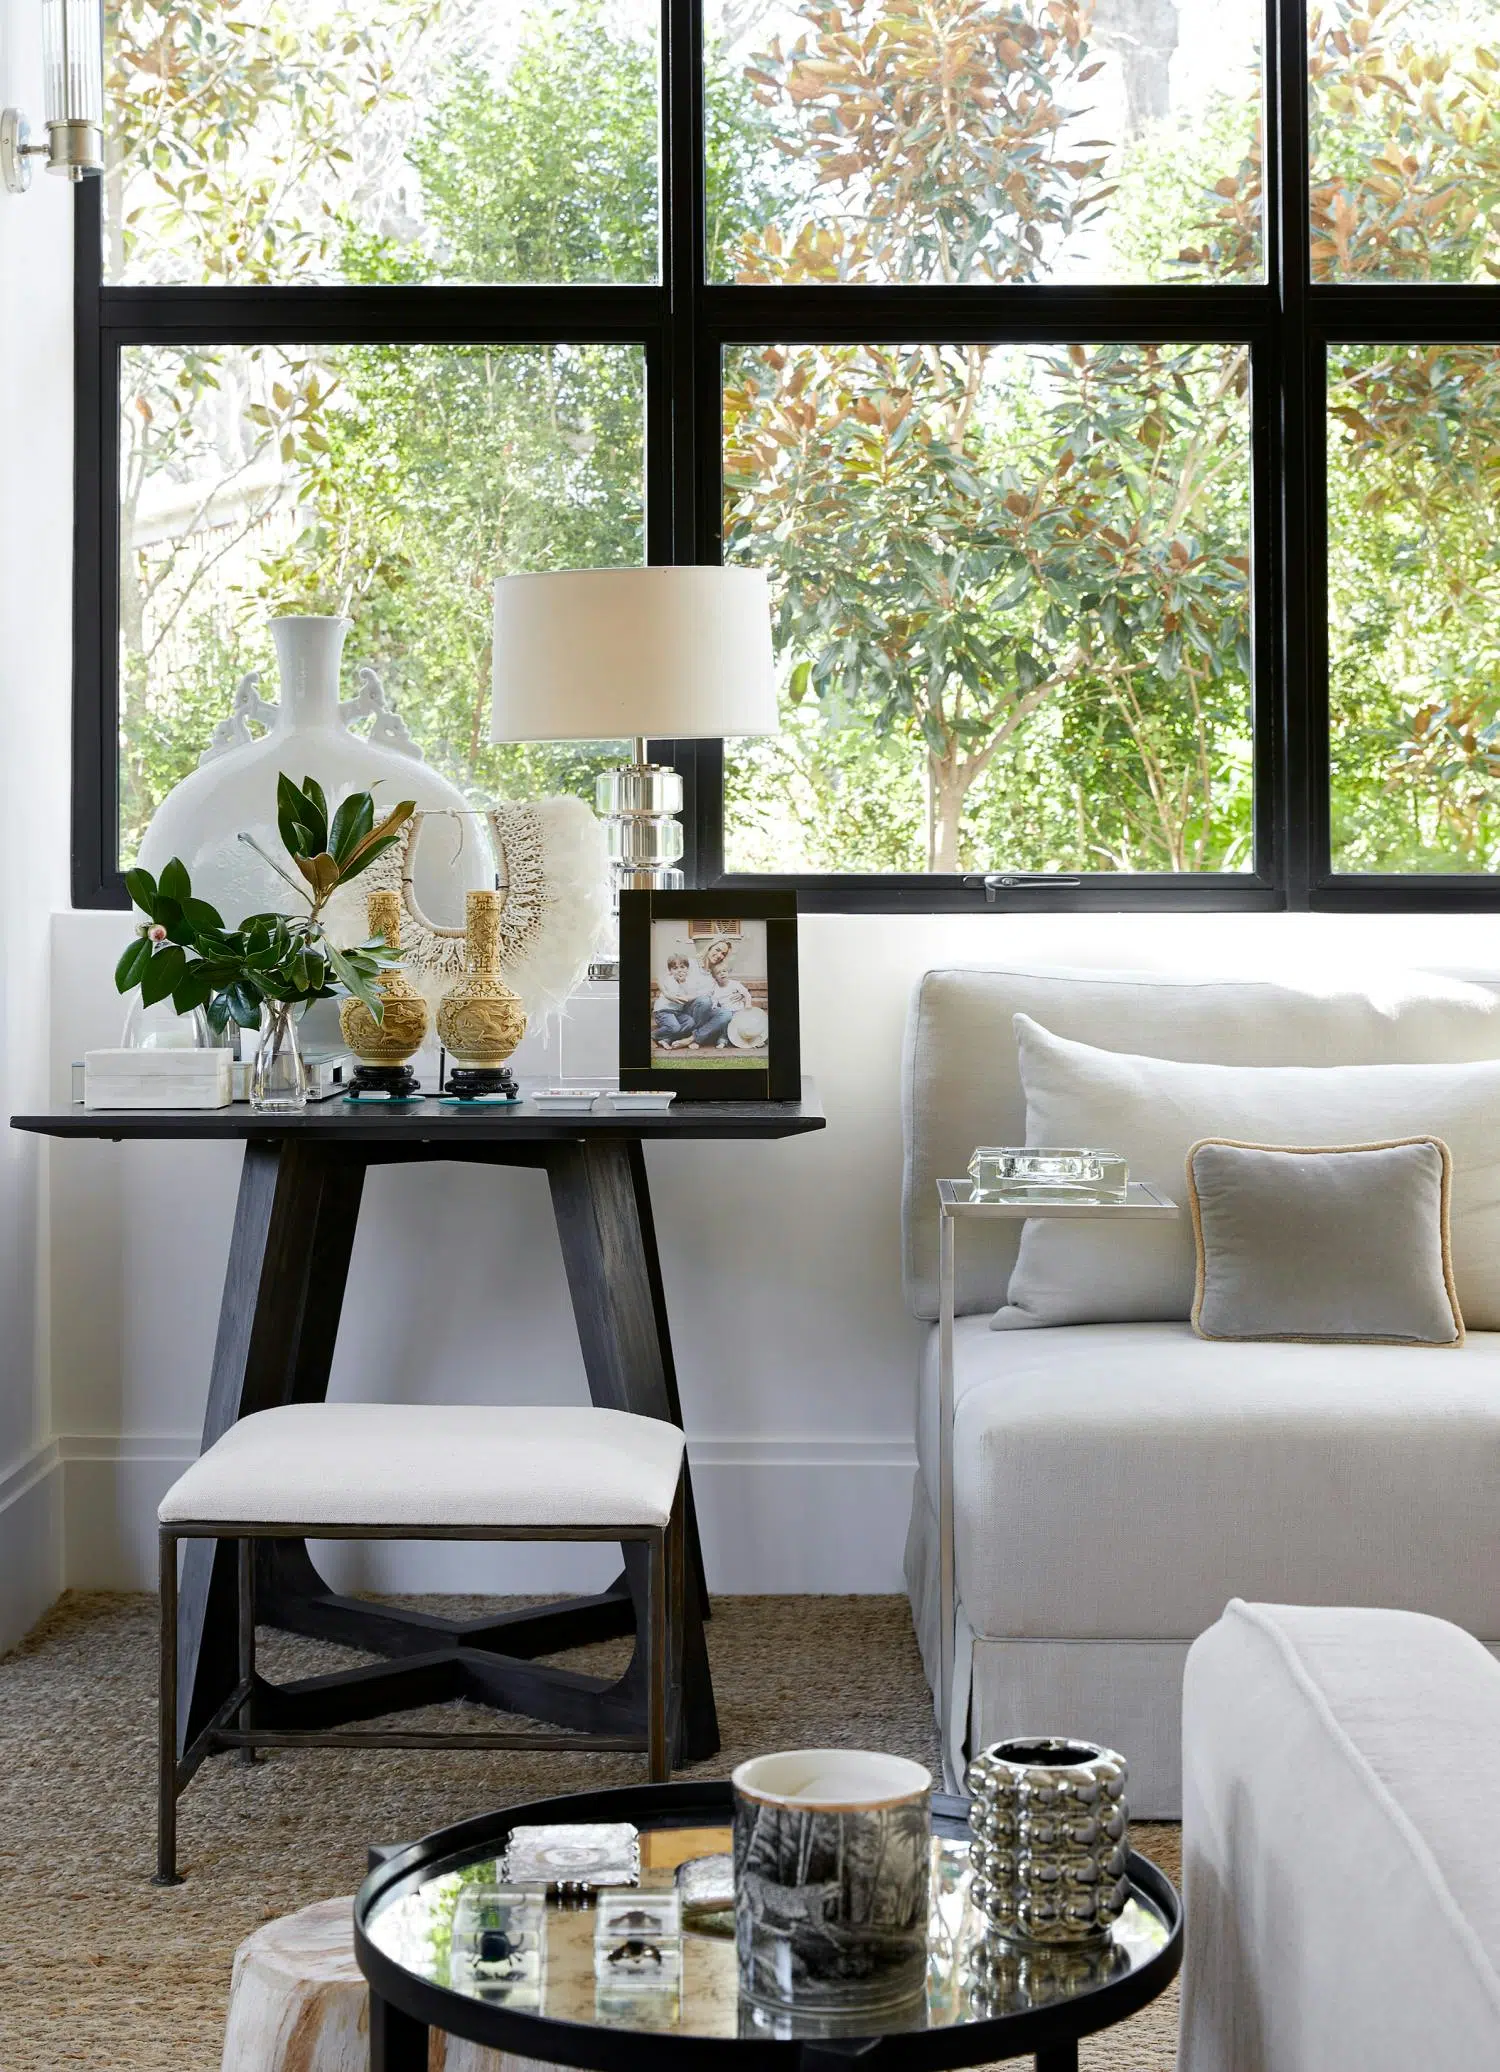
781 1263
35 546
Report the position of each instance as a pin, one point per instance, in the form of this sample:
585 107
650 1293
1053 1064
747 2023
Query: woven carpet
98 1968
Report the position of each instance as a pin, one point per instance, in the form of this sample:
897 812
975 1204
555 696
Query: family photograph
708 993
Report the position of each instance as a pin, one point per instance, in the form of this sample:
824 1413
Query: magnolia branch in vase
262 974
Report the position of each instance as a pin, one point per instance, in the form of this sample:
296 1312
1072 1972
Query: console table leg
397 2043
1058 2057
289 1192
696 1581
609 1256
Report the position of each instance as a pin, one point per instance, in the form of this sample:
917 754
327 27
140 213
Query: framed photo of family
708 995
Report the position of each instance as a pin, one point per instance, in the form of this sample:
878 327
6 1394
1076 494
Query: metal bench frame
241 1721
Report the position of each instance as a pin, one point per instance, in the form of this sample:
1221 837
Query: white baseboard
778 1516
31 1542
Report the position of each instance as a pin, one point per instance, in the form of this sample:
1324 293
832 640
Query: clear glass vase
161 1027
278 1079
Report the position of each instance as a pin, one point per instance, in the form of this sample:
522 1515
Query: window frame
684 322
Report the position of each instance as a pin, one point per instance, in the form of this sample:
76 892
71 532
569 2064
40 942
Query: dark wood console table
294 1225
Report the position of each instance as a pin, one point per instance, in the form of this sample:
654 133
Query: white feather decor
554 870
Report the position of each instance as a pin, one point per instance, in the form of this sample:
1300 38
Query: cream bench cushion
404 1465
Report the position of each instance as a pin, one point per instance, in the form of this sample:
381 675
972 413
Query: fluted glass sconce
72 98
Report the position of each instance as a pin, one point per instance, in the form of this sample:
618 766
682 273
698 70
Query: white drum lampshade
609 654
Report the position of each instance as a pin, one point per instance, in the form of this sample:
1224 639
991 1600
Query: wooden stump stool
298 2003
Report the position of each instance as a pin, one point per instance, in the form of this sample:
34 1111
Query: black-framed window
1111 389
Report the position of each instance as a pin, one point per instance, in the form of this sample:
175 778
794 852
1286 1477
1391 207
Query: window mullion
1302 657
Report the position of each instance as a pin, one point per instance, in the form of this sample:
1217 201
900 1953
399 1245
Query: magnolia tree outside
1012 583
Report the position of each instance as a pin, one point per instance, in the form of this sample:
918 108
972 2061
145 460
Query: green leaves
301 817
184 950
131 968
329 856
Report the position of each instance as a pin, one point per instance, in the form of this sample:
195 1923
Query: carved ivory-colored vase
400 1035
481 1020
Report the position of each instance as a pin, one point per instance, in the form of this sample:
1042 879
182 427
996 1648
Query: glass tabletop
970 1978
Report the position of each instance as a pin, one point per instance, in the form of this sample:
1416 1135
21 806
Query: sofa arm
1341 1844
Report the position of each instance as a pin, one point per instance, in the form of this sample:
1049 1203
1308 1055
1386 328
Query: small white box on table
158 1079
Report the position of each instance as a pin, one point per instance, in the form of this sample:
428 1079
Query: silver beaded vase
1051 1840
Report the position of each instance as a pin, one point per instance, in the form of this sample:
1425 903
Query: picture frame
708 995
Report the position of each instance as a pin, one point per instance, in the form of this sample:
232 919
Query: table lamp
602 654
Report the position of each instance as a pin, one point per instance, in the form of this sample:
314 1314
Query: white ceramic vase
233 791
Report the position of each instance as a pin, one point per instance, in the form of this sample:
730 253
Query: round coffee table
982 2001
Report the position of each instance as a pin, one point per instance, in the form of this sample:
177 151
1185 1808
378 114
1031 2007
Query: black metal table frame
299 1197
405 2008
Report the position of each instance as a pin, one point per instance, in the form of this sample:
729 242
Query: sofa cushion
1348 1244
1153 1109
960 1085
1123 1481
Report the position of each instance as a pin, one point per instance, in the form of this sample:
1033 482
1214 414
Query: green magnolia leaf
312 791
162 974
244 1003
132 965
303 814
373 848
352 822
218 1013
201 917
193 989
354 982
174 882
142 889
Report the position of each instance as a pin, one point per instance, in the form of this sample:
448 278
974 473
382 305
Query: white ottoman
1341 1844
414 1471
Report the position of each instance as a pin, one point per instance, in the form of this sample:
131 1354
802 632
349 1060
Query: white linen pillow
1094 1271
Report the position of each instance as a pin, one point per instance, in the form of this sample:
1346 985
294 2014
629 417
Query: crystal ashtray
1042 1173
575 1856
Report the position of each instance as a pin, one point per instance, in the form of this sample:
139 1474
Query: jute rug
100 1969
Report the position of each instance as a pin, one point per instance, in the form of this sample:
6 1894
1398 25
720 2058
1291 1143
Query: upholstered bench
414 1472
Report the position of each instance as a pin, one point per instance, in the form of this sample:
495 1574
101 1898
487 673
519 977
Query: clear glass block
1020 1172
638 1938
499 1939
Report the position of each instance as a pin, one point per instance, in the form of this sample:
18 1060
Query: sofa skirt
1125 1693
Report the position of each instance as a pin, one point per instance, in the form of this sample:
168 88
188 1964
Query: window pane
1012 592
984 140
1414 606
381 140
1405 116
389 482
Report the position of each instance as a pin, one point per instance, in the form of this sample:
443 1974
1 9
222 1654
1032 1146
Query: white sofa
1342 1878
1116 1484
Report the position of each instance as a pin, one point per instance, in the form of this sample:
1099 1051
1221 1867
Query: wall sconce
72 93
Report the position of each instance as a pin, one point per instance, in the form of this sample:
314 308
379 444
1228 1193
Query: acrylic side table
957 1203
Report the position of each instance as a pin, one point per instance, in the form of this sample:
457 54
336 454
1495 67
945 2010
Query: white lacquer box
158 1079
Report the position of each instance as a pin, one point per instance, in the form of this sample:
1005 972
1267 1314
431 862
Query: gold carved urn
383 1048
481 1020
